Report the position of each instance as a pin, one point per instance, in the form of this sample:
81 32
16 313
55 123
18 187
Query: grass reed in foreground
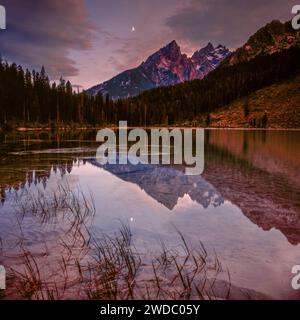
109 267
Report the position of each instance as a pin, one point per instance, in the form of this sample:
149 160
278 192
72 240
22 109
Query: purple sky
89 41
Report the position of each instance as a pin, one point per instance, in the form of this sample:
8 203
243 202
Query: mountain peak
170 52
173 44
171 47
209 46
167 66
203 51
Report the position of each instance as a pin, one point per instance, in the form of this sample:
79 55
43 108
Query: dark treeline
29 97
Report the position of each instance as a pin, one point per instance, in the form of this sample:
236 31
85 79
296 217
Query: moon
133 29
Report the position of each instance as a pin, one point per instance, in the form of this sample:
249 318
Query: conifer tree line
29 97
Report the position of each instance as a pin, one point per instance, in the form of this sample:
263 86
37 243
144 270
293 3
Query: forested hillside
187 101
275 106
27 98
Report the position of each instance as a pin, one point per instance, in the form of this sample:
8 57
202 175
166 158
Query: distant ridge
272 38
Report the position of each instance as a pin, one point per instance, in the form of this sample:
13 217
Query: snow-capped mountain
207 59
166 67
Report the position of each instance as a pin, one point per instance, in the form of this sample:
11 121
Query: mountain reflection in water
246 204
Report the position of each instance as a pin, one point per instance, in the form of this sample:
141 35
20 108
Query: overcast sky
89 41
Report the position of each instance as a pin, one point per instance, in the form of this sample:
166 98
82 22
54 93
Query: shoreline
40 129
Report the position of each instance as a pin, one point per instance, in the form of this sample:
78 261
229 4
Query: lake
244 208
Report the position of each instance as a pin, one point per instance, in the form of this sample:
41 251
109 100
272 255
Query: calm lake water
245 206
